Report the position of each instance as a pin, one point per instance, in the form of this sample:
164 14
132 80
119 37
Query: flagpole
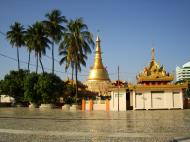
118 88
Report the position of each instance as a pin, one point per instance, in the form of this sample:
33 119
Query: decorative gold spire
98 72
154 72
98 57
152 54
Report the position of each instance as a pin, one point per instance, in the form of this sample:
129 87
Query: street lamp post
118 88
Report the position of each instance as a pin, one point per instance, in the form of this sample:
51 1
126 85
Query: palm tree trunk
18 58
29 61
72 72
37 64
41 64
52 57
76 71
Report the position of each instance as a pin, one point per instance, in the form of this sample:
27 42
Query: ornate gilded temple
98 79
155 89
154 74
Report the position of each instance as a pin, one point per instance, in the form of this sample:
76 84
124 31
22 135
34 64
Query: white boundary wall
168 99
114 101
97 105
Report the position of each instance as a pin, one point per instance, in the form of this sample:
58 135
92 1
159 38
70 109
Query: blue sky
128 31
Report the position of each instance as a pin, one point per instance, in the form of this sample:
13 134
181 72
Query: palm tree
36 39
29 42
54 29
16 37
77 43
67 59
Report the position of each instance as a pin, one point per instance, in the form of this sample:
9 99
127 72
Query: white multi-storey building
183 73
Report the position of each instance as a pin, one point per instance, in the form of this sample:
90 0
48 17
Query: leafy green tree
30 88
77 42
187 90
16 37
13 85
1 83
187 93
54 28
69 93
50 87
37 40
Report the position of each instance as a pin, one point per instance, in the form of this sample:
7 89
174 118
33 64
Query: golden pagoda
154 74
98 79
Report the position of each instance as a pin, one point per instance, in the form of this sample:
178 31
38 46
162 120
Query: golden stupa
98 71
98 79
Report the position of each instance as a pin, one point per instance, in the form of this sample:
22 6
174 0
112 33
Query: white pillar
181 93
134 100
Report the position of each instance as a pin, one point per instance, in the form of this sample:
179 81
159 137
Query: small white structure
125 99
158 97
121 100
6 99
97 105
183 73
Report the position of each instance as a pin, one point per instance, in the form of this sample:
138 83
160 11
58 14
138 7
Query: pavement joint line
76 134
48 118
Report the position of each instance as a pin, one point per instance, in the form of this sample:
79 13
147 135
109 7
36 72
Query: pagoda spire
152 54
98 55
98 49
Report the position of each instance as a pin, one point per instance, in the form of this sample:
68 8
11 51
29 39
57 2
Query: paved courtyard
24 125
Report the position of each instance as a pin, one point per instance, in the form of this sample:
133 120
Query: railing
99 102
96 102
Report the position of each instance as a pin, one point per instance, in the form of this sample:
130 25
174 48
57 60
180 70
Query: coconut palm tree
29 42
16 37
54 29
77 42
37 40
67 59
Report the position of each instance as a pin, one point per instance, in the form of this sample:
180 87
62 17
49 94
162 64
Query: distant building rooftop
183 73
186 65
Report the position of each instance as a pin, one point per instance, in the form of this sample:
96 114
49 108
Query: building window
138 93
157 92
175 92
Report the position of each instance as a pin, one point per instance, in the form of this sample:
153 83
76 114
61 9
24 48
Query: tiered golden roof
154 73
98 71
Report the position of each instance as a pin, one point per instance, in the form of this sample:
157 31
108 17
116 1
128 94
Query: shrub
13 85
50 87
30 88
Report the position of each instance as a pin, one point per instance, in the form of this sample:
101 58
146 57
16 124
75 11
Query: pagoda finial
152 54
98 39
98 58
98 49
